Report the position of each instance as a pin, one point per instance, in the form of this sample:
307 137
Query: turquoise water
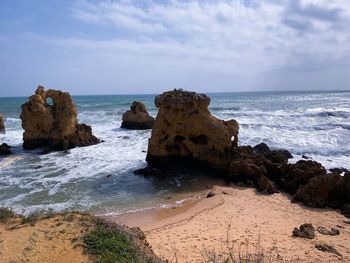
100 177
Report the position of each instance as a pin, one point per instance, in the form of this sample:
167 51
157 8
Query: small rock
324 231
224 193
305 157
109 176
5 149
210 194
305 231
327 248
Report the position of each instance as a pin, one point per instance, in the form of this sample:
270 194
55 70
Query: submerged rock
2 125
184 131
137 118
5 149
305 231
53 125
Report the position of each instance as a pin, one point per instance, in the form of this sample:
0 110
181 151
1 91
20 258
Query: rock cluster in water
137 118
186 134
2 125
53 125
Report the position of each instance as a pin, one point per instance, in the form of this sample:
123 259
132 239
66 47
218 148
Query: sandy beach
241 219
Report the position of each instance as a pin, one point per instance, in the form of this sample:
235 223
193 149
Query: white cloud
246 35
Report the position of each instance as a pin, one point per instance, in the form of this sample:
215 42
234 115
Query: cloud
315 16
224 44
248 34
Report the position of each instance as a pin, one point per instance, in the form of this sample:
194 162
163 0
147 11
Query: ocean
100 178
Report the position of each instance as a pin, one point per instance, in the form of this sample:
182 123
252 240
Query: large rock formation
186 134
185 131
2 125
137 118
54 126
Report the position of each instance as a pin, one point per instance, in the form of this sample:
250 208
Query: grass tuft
111 244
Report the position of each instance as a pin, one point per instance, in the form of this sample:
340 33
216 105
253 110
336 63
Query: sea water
100 177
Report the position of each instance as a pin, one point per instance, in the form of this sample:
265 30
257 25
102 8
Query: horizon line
217 92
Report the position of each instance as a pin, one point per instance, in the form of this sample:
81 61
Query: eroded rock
137 118
305 231
2 125
54 126
326 190
298 174
185 131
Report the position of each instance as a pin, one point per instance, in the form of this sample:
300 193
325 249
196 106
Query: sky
137 47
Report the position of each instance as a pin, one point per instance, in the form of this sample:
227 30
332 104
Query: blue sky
125 47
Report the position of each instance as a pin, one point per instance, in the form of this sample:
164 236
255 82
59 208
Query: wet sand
241 219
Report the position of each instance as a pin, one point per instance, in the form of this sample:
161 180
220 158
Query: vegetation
112 243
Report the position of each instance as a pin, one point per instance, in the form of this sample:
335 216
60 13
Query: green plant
110 244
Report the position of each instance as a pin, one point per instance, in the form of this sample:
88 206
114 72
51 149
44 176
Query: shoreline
242 218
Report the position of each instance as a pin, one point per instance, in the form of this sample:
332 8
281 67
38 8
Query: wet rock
53 125
137 118
210 194
324 231
305 231
185 132
327 248
2 125
275 156
298 174
5 149
338 170
305 157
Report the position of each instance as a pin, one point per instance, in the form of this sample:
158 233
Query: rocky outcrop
5 149
185 131
54 126
137 118
305 231
331 190
298 174
185 134
2 125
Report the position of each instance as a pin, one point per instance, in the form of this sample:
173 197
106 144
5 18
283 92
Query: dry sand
55 240
237 218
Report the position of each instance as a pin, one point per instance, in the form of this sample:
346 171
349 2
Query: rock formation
185 131
5 149
185 134
2 125
54 126
137 118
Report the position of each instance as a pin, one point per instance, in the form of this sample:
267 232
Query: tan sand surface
244 220
54 240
